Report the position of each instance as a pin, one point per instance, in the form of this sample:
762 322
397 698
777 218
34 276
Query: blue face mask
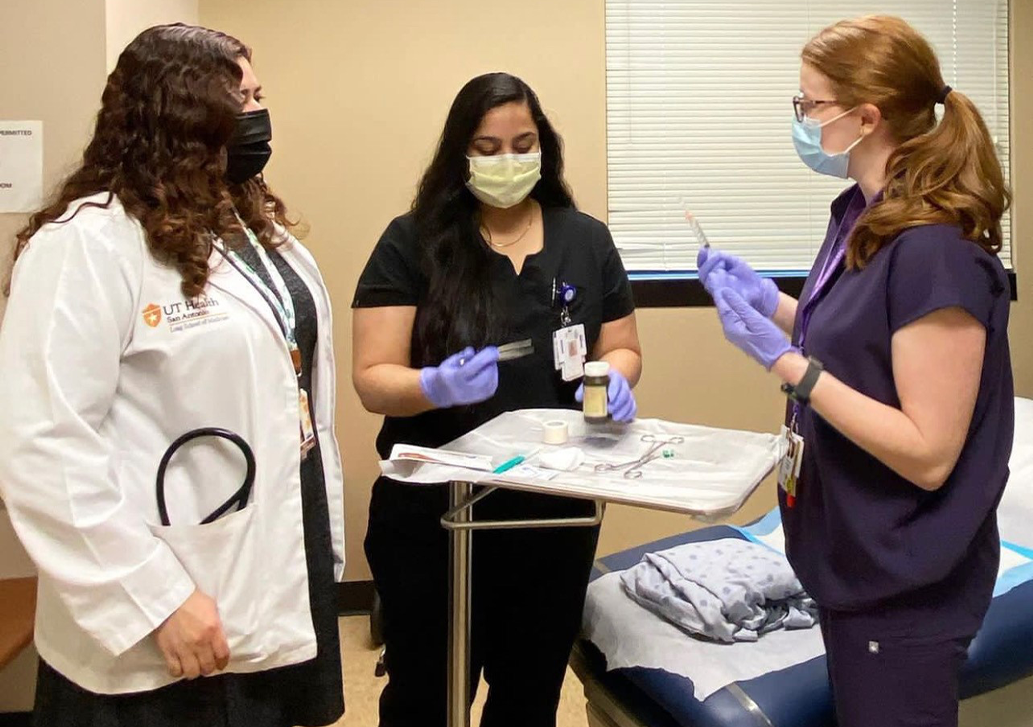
807 140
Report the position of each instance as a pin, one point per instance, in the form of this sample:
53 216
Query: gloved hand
761 293
462 378
619 397
744 326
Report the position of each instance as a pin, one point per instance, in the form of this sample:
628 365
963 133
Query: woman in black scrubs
493 251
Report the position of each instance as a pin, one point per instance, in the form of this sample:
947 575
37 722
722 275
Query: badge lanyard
564 294
834 258
570 346
792 460
280 300
832 262
283 307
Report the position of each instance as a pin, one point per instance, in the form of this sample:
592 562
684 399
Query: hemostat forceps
633 469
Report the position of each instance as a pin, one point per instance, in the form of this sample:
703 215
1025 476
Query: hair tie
943 95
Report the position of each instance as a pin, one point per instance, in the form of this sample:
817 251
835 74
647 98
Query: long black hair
460 309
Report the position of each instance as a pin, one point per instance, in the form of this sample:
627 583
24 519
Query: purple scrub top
859 535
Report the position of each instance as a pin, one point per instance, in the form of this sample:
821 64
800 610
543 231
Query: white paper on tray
410 452
712 472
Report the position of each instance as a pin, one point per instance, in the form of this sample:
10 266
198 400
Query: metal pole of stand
461 551
460 525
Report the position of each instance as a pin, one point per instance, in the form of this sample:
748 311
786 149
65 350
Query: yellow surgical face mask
504 180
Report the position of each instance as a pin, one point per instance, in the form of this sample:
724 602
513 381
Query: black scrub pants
887 670
528 596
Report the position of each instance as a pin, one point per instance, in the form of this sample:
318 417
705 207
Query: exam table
999 665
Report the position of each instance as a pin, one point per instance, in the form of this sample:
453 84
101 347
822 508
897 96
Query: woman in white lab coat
161 293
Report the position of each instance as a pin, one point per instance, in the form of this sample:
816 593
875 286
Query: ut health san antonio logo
152 315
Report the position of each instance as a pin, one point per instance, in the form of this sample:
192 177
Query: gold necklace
500 245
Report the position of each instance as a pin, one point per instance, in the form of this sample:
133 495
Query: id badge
570 348
308 435
785 464
790 464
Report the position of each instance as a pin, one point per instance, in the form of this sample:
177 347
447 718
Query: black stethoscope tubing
239 498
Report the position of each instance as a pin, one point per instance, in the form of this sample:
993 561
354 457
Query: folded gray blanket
725 590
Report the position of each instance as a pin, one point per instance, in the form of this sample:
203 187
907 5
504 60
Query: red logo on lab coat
152 315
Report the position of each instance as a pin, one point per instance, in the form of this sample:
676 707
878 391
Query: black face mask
249 150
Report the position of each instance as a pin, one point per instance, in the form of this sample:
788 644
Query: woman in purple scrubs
897 370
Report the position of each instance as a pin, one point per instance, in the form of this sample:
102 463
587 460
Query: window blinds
699 110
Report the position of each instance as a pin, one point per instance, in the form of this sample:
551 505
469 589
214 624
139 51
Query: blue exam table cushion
799 696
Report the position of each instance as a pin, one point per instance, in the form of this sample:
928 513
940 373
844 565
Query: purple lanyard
832 261
834 258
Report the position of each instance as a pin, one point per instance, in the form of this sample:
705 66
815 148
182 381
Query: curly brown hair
159 145
941 173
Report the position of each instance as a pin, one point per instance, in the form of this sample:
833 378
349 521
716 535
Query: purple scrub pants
885 672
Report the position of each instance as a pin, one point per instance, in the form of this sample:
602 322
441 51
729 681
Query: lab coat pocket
222 558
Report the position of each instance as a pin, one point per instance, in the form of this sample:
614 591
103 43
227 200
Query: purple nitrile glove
744 326
620 399
761 293
462 378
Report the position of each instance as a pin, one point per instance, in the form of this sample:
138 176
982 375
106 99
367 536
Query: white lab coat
94 386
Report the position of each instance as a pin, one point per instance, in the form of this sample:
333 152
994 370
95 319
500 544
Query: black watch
801 393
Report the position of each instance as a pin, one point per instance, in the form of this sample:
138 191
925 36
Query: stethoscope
238 499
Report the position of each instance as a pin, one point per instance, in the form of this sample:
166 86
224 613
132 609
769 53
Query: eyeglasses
803 106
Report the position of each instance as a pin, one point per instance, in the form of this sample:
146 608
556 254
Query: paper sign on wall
21 166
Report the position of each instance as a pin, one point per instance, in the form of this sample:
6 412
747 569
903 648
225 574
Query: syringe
696 229
694 224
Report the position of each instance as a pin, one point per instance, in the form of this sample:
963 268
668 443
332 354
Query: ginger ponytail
949 175
941 173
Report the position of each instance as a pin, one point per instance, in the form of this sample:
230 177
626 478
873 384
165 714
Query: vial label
595 402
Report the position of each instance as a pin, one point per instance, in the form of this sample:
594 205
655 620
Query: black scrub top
578 250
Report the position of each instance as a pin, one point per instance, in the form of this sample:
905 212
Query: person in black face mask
176 244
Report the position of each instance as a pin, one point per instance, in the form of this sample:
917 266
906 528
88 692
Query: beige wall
51 68
126 18
1021 331
53 63
358 92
